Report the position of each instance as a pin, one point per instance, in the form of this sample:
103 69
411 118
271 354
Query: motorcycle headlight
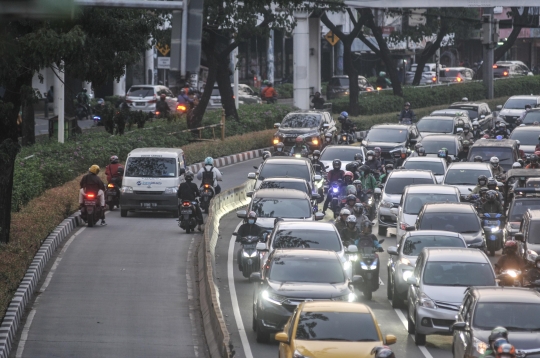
171 190
387 204
373 265
495 230
246 254
315 141
406 274
127 189
480 346
427 302
335 189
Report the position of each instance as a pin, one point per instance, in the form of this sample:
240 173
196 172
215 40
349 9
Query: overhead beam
133 4
437 3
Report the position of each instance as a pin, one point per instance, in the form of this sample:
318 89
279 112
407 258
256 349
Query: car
437 165
402 260
144 98
338 86
290 183
433 143
290 277
507 69
285 167
504 149
429 74
484 308
531 117
455 75
478 111
437 287
528 138
310 125
456 217
450 113
286 204
430 125
246 95
529 228
464 175
514 107
350 328
415 196
345 153
517 208
393 190
390 137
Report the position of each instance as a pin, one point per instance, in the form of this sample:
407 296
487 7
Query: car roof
287 161
411 173
432 232
455 254
468 165
280 194
466 104
506 294
441 118
447 207
346 147
303 112
423 159
155 151
284 180
451 111
391 125
304 253
431 188
437 137
524 96
305 225
526 129
494 143
535 214
332 306
455 68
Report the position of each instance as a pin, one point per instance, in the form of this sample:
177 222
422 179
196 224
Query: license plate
186 212
140 103
250 246
149 205
89 202
217 101
111 193
492 222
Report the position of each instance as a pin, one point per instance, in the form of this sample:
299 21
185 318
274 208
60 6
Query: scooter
250 255
367 267
492 224
91 210
328 140
113 192
344 138
207 193
335 191
510 278
187 219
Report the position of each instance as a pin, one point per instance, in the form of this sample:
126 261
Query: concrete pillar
301 60
149 66
270 58
59 100
315 54
339 62
88 87
119 87
234 61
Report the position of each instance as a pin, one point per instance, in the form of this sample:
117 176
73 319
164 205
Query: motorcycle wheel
188 230
366 291
91 220
246 271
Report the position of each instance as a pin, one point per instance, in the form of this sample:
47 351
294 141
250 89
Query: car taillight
186 203
110 185
157 113
369 89
403 226
505 73
90 196
434 79
494 66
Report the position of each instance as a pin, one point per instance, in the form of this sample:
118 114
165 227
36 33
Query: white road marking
24 335
194 335
403 320
234 298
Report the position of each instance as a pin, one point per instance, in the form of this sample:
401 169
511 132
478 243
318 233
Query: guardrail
212 126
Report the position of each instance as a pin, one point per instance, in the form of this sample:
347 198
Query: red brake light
207 185
186 203
110 185
447 70
369 89
157 113
494 66
90 196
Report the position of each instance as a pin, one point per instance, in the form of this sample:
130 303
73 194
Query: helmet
482 178
483 191
345 212
475 124
94 169
377 151
336 164
506 350
491 195
366 224
358 184
358 156
478 159
351 197
266 154
253 216
418 146
344 114
183 91
382 73
494 161
101 101
407 104
509 247
421 152
364 168
383 352
528 106
359 209
351 219
466 125
441 154
188 175
371 154
491 182
113 159
466 143
279 147
209 161
348 175
299 140
502 125
316 154
163 96
516 165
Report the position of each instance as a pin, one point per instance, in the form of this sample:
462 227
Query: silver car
437 287
464 175
345 153
144 98
437 165
402 259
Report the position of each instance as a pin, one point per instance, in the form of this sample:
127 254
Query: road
120 290
236 296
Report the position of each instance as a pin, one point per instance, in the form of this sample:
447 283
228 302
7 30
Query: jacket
477 188
371 237
303 149
111 171
350 235
162 107
91 182
269 92
248 230
334 175
217 174
510 262
368 182
188 191
492 207
407 114
347 125
340 226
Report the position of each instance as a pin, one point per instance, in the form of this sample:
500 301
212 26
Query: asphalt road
236 297
119 291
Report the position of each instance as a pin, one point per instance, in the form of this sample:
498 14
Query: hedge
426 96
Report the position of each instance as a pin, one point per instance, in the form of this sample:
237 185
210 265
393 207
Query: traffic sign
163 49
331 38
164 63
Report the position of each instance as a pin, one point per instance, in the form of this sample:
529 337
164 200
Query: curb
25 291
230 159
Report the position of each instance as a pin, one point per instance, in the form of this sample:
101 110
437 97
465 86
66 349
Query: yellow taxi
324 329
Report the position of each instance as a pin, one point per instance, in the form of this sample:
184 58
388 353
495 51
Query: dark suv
505 149
311 125
390 137
478 111
339 86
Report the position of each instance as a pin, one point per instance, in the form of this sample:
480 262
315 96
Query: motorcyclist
278 150
347 125
533 162
360 194
462 155
478 159
91 182
299 147
341 222
190 191
482 183
417 146
492 185
348 178
398 161
328 139
248 228
443 153
332 176
510 259
367 235
183 98
501 131
162 106
492 205
208 174
269 94
350 202
466 134
353 168
83 98
383 352
524 113
360 214
372 162
114 172
497 334
421 152
265 155
476 131
496 169
318 166
369 183
359 159
534 273
407 115
351 232
378 156
382 82
521 152
388 169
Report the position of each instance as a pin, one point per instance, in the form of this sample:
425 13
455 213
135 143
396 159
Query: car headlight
171 190
347 265
386 204
297 354
480 346
127 189
351 297
406 274
272 297
427 302
246 254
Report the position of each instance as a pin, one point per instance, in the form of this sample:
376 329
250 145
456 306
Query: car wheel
382 230
411 328
397 302
388 286
420 339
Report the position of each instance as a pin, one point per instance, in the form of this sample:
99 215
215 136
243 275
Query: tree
96 45
519 21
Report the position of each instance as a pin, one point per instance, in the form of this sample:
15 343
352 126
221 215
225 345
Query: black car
310 125
505 149
391 137
531 117
478 111
290 277
484 308
430 125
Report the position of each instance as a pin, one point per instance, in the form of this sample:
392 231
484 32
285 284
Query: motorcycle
335 192
91 210
510 277
367 267
113 192
82 111
492 224
250 255
187 219
319 170
328 140
345 138
207 193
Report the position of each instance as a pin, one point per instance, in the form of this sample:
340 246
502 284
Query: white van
151 180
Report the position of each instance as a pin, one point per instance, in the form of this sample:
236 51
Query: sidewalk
42 123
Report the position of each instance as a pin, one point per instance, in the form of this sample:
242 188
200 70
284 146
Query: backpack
208 176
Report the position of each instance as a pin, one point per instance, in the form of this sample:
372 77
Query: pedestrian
50 95
318 101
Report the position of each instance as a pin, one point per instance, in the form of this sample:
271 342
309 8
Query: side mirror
357 279
390 339
241 214
182 171
392 250
411 280
252 176
499 107
410 228
317 177
394 211
277 125
377 191
519 237
261 246
255 167
459 326
282 337
352 249
255 277
319 216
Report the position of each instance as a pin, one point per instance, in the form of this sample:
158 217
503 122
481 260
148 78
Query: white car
345 153
144 98
246 95
464 175
437 165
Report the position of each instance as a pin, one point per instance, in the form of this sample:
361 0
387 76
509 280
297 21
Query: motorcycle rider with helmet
388 169
333 176
299 147
265 155
189 191
348 178
369 183
510 258
353 168
497 334
476 131
372 162
341 222
351 232
407 116
496 169
91 182
83 100
492 205
359 212
183 98
421 152
502 131
162 107
398 161
279 150
115 172
248 228
533 162
492 185
478 159
210 174
318 166
466 134
366 234
482 183
360 190
534 273
347 125
378 156
506 350
350 202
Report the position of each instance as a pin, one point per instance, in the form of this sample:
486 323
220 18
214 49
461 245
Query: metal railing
221 124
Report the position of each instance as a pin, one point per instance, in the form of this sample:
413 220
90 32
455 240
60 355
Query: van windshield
150 167
505 155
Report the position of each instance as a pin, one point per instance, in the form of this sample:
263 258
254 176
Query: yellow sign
164 49
331 38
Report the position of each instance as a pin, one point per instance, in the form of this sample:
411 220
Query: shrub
285 90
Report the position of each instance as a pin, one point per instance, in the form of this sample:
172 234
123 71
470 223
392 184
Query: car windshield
519 103
531 117
342 82
473 111
306 269
525 137
440 273
436 167
307 239
449 113
519 207
387 135
513 316
449 73
435 125
287 170
414 202
336 326
300 120
150 167
413 245
345 154
281 208
285 185
463 223
141 92
456 176
397 185
534 238
505 154
433 146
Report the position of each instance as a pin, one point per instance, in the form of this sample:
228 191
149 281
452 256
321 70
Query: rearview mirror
249 194
252 176
277 125
241 214
411 280
352 248
282 337
319 216
392 250
459 326
390 339
261 246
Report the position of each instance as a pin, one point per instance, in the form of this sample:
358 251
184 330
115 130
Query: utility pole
490 38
